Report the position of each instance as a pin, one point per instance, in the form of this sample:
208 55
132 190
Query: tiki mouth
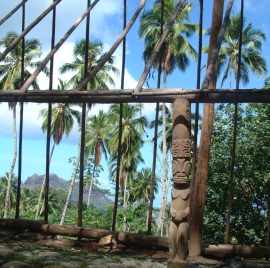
180 180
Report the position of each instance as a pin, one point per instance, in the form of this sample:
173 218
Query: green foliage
136 220
103 78
251 58
10 68
176 51
251 186
13 192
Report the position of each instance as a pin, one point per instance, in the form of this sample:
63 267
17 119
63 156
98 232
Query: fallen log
92 233
120 237
219 251
22 224
224 251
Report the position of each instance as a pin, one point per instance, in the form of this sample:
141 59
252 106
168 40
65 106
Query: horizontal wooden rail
145 96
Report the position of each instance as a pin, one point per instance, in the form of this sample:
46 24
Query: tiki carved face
180 169
181 165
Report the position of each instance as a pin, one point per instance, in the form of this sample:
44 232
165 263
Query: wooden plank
146 96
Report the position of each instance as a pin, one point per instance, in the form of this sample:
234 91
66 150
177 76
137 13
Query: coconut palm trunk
164 165
91 186
43 186
73 175
71 186
7 199
125 204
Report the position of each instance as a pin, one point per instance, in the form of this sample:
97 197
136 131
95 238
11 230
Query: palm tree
96 54
10 69
13 189
53 201
133 126
251 58
11 78
141 187
175 52
62 122
27 202
96 141
100 81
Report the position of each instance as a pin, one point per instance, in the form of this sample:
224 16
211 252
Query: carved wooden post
178 231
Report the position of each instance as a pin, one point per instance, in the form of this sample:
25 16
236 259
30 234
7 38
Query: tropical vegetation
13 71
176 52
251 58
250 209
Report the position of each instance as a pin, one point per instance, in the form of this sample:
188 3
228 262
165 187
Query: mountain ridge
98 199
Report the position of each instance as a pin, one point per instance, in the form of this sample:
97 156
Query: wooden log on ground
223 251
92 233
120 237
219 251
22 224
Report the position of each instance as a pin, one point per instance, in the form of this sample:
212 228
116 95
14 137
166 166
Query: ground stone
146 264
130 264
49 254
27 254
5 251
159 265
234 264
69 265
15 264
96 266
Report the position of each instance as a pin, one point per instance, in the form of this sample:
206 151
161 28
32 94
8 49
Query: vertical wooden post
18 198
205 140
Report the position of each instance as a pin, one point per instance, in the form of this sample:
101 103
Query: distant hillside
97 198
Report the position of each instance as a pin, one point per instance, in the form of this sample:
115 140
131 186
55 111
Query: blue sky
106 25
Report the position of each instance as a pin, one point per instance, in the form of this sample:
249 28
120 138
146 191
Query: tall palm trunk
73 175
234 130
71 186
7 199
43 186
91 186
164 166
125 204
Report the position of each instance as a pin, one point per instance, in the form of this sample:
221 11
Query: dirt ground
12 237
15 237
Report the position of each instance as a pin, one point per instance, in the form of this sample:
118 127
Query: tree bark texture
205 141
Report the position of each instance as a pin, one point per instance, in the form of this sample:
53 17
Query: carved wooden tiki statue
178 231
